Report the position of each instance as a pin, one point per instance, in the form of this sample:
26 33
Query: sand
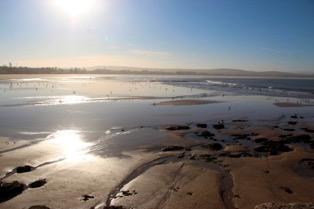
289 104
189 175
186 102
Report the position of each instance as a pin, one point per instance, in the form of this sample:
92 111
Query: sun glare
76 8
70 143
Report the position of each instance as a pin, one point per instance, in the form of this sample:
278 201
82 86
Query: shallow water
37 105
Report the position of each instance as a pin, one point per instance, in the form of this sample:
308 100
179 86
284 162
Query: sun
75 8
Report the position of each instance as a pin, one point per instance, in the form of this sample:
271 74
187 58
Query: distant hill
154 71
208 72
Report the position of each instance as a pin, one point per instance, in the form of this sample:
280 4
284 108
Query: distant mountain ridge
154 71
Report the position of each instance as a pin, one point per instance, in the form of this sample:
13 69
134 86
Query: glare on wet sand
70 143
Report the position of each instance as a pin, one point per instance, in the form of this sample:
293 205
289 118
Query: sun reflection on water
70 144
69 99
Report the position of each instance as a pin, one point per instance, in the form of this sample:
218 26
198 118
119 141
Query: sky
258 35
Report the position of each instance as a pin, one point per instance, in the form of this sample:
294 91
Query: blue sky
247 34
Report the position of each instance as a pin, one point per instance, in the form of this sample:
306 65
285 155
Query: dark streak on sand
167 195
226 193
14 171
135 173
20 147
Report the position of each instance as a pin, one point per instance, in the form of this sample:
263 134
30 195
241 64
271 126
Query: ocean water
38 105
255 86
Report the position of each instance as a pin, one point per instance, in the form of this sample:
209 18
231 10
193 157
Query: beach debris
219 125
177 127
39 207
87 197
37 183
172 148
10 190
205 134
201 125
24 169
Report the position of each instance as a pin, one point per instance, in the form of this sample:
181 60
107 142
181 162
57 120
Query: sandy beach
180 153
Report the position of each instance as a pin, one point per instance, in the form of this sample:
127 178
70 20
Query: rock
172 148
277 205
10 190
287 189
219 126
178 127
128 192
204 157
205 134
295 116
261 140
273 147
214 146
285 135
239 121
201 125
308 130
86 197
193 157
39 207
292 122
240 136
288 129
235 154
38 183
305 138
181 155
113 207
24 169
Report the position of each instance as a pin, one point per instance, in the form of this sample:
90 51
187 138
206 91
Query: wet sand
289 104
186 102
240 165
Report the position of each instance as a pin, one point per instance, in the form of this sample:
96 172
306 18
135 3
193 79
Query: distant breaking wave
299 88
